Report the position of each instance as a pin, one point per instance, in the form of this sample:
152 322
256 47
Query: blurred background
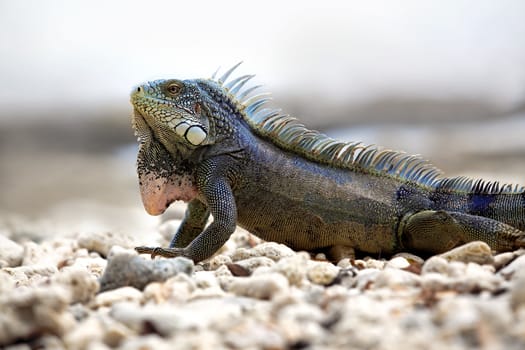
444 79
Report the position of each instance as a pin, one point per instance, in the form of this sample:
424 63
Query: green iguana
208 143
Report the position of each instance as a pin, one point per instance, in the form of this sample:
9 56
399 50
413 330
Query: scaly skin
201 145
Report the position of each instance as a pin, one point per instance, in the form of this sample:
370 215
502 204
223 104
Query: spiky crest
290 134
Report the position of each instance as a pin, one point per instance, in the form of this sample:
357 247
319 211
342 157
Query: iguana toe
159 251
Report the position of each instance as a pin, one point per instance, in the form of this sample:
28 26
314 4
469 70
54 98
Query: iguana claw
159 251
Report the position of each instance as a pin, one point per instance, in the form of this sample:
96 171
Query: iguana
213 144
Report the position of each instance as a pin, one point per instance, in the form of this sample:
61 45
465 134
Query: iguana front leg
436 231
192 225
216 192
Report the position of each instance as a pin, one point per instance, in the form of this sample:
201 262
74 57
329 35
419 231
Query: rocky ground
70 214
92 291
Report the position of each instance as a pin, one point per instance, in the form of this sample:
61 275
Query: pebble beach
92 291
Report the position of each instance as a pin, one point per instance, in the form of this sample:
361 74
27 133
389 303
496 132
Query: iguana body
253 167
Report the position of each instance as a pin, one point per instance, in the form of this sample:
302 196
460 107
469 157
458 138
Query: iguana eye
174 89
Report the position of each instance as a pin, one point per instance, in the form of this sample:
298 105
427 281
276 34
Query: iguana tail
465 210
504 203
436 231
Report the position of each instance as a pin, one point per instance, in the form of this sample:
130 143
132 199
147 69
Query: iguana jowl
205 141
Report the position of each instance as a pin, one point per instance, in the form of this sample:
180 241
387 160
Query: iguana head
170 126
176 122
172 110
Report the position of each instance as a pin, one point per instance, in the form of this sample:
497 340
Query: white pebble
477 251
127 294
36 310
10 252
396 279
517 265
264 286
272 250
293 268
102 242
365 278
398 263
218 260
82 285
251 264
435 264
322 273
517 296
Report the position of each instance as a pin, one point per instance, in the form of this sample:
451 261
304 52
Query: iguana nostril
139 89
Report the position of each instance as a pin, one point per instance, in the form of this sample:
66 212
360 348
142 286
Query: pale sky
90 53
